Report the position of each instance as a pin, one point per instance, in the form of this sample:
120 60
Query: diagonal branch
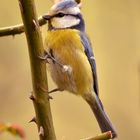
17 29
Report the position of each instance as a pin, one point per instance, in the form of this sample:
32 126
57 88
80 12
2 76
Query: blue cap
64 4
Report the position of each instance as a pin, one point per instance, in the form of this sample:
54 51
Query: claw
50 97
51 91
44 58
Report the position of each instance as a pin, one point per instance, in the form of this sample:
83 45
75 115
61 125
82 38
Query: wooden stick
38 71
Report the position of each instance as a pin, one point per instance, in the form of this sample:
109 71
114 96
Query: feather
89 53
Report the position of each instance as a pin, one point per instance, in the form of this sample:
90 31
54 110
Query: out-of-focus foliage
14 129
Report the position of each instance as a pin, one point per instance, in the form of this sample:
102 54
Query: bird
70 58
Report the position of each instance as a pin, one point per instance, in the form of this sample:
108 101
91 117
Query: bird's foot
50 56
45 57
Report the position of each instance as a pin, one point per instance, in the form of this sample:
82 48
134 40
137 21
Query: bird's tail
100 114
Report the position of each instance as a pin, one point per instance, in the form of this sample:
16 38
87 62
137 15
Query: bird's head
65 14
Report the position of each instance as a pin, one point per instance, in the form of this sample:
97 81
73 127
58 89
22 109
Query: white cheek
65 22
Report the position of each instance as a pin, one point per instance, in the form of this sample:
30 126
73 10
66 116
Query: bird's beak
47 17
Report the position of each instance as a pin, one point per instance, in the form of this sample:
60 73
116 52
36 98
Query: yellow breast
68 50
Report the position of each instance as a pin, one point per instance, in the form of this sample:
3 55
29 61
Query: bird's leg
51 57
65 68
45 57
51 91
46 91
54 90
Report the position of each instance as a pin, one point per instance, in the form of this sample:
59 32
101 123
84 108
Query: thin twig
103 136
17 29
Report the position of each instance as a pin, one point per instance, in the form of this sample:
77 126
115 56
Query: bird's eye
60 15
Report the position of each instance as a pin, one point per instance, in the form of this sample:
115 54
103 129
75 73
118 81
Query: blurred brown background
114 28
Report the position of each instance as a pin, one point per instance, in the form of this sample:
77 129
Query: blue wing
89 53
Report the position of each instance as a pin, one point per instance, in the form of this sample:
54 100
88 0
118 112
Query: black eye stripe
60 15
63 14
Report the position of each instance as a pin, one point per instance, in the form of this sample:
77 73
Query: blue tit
71 59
